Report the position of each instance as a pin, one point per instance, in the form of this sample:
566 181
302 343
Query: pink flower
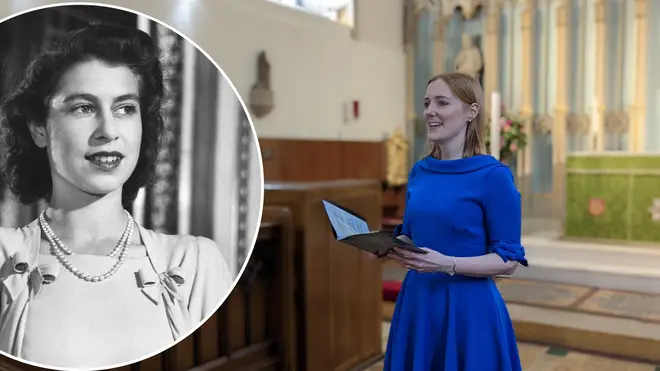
507 128
513 147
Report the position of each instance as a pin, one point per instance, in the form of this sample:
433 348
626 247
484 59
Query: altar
613 197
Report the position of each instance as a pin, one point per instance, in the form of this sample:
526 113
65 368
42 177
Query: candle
495 105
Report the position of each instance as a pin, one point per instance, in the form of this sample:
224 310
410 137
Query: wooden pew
255 327
339 288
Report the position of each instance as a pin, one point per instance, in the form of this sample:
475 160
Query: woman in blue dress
464 210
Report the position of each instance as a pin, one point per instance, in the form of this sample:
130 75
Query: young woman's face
446 115
94 128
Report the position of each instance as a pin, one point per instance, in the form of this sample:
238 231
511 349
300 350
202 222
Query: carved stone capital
542 124
577 124
526 113
616 122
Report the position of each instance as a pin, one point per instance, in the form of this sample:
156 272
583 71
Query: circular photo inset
132 187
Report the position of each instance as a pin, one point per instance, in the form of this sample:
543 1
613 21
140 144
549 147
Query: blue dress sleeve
503 215
404 228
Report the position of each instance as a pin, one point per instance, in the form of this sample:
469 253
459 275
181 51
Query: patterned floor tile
541 293
624 304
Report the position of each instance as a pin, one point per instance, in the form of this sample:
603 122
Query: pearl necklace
58 249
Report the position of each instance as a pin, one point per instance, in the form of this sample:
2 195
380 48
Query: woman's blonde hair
468 90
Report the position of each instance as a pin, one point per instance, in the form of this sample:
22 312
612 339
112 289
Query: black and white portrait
131 187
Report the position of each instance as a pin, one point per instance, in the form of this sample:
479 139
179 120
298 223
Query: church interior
334 90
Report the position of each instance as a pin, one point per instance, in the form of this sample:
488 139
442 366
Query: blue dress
462 208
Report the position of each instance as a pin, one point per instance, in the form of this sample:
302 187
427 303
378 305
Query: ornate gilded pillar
581 59
617 120
639 108
492 60
561 108
600 8
526 103
578 122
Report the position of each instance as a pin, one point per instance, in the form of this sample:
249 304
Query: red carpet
391 290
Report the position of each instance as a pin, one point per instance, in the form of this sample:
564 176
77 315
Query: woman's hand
432 261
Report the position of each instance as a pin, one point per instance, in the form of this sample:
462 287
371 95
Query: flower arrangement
512 136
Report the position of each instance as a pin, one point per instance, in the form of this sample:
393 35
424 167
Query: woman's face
446 115
93 128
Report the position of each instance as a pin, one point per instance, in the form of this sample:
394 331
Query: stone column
526 109
639 108
410 82
439 45
491 55
581 60
561 108
600 8
410 78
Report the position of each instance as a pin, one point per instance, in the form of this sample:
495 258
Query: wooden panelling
255 328
339 300
319 160
394 202
298 160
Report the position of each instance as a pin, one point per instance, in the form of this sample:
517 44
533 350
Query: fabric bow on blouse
21 284
167 287
27 277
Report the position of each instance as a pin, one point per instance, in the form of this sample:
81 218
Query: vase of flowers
512 136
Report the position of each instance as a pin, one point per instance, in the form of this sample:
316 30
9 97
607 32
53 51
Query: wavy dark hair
25 167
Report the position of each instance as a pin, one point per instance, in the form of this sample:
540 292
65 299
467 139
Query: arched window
341 11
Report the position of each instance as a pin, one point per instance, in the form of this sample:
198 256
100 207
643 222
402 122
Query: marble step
596 334
613 336
614 267
539 357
